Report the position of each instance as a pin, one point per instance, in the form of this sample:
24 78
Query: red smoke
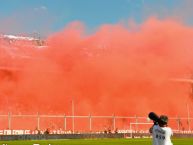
122 70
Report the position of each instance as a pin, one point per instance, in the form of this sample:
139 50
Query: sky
111 64
47 16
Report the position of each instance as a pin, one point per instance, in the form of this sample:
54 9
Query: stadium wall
83 136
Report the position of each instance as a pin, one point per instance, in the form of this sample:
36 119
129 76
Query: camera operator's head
163 121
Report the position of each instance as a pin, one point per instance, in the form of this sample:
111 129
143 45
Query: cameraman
161 132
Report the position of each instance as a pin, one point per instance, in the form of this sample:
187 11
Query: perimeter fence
60 124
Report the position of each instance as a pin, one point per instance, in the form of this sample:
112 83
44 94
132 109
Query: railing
87 123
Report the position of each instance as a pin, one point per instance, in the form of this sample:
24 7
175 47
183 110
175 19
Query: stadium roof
14 37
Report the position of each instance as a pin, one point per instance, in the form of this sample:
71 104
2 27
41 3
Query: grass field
96 142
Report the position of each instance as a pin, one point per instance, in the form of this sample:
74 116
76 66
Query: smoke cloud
120 69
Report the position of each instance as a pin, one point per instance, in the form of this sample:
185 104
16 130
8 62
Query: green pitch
95 142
